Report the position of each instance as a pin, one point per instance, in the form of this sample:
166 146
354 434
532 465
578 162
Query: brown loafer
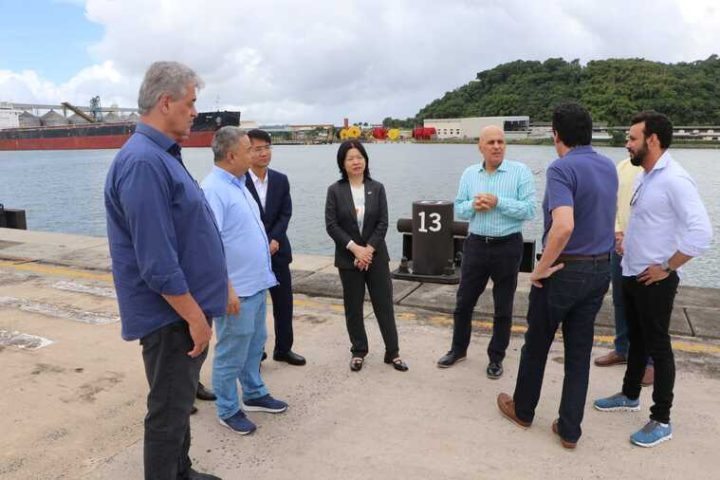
507 407
612 358
565 443
648 377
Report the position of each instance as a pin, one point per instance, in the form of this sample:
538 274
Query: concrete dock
74 393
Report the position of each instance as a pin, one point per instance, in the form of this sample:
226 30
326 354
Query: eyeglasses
262 148
636 195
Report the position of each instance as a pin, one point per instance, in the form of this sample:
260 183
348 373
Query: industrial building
469 127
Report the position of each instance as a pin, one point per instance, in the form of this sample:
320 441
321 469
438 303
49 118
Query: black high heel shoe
397 364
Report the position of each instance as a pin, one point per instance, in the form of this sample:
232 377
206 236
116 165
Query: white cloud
287 61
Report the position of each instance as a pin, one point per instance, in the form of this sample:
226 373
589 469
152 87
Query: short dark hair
656 123
258 134
572 123
342 153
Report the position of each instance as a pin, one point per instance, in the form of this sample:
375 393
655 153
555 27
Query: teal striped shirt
512 183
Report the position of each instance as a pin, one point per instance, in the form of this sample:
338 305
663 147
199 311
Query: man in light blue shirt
668 227
241 335
496 196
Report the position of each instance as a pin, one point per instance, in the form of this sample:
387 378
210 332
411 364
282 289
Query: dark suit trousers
379 286
481 262
173 379
282 299
648 310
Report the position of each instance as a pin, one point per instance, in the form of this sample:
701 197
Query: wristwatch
666 266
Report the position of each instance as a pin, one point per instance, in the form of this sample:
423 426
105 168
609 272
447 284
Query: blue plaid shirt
512 183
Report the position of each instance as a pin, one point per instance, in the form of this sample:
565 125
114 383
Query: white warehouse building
469 127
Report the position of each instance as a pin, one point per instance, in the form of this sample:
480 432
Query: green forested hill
613 90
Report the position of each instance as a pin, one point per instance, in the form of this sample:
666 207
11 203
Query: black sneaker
450 359
494 370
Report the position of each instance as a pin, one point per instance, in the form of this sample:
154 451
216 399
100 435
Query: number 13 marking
435 224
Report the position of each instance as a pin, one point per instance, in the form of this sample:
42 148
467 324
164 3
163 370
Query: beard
638 157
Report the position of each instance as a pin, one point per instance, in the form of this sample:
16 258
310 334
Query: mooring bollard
12 218
432 244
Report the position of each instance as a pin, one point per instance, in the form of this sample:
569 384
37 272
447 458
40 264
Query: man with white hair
157 222
496 196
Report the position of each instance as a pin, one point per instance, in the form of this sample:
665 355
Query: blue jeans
572 297
621 327
240 343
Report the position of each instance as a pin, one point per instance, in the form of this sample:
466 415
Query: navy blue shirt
588 182
162 235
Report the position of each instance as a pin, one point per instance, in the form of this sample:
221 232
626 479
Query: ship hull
105 136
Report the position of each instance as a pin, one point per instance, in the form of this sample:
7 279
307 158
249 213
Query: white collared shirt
666 216
261 186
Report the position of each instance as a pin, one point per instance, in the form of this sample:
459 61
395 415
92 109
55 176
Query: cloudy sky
285 61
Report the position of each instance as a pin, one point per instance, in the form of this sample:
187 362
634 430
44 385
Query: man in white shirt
668 226
271 191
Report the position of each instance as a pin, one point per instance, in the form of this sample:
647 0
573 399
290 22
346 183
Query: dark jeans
379 286
572 297
618 297
282 299
483 261
173 378
648 310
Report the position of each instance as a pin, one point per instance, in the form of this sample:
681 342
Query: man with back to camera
157 222
572 276
241 334
496 196
271 191
668 227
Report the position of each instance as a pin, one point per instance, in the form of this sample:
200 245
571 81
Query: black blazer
277 212
341 221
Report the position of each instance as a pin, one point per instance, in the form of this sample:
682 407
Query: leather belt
485 239
604 257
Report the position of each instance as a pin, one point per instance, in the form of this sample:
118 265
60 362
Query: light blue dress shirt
666 215
512 183
242 232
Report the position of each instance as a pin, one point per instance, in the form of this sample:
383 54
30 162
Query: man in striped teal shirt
496 196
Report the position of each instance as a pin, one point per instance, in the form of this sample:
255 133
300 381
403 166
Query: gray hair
225 140
165 78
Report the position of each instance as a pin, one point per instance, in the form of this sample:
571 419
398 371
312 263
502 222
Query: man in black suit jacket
271 191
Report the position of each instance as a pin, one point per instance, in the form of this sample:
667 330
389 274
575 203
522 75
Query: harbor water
62 191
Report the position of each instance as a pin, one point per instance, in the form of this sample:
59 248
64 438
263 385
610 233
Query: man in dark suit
271 190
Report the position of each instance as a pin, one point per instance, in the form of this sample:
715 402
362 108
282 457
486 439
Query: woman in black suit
356 217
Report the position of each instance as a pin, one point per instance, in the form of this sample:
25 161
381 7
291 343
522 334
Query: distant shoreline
548 142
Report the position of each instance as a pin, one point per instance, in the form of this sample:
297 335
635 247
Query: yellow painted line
441 320
678 345
56 270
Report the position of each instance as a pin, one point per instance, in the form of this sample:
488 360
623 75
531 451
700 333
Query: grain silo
27 119
53 119
112 117
76 119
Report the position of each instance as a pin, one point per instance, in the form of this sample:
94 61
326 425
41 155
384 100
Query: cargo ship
105 135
